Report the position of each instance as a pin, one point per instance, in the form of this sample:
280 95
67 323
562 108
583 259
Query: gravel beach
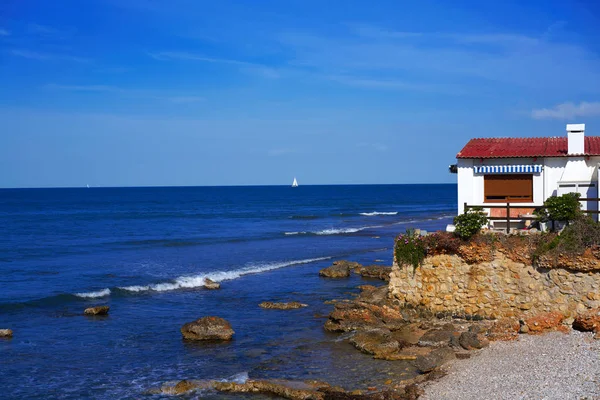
552 366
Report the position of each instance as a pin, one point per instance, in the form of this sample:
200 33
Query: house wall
545 184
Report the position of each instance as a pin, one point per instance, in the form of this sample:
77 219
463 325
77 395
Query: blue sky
191 92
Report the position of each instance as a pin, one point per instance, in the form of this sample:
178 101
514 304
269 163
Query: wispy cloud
35 55
4 32
127 92
568 110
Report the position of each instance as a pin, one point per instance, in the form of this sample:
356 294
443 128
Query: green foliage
563 208
470 222
410 249
583 233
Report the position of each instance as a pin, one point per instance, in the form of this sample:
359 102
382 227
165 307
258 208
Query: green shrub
470 222
410 249
583 233
563 208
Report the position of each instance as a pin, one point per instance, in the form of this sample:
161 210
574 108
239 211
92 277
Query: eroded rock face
282 306
588 321
97 310
504 329
6 333
339 269
210 284
544 322
207 328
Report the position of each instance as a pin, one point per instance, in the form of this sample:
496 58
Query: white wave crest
196 281
374 213
91 295
295 233
240 378
338 231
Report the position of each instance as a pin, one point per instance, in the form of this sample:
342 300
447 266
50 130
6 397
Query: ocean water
146 251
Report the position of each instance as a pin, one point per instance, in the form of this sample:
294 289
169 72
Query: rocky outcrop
544 322
207 328
282 306
339 269
355 315
472 341
377 341
97 310
504 329
501 287
211 285
6 333
375 272
588 322
434 359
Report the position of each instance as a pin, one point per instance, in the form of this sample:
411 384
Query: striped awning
508 169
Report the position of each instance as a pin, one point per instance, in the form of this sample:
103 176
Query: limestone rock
544 322
6 333
282 306
210 284
357 315
437 338
434 359
97 310
375 272
504 329
471 340
207 328
339 269
377 341
588 321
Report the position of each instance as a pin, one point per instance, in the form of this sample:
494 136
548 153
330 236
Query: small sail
295 183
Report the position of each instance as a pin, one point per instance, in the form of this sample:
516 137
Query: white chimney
576 135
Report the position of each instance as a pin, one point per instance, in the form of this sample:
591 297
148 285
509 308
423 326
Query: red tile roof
525 147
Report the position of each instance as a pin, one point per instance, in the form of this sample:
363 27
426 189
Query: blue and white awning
508 169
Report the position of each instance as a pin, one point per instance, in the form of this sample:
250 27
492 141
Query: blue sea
146 251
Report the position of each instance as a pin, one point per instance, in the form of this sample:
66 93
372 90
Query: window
513 188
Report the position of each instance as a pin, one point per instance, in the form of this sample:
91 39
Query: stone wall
499 288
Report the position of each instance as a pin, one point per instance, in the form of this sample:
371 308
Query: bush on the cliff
563 208
582 234
410 249
470 222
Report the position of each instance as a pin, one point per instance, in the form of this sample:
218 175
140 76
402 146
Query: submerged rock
207 328
282 306
97 310
6 333
210 284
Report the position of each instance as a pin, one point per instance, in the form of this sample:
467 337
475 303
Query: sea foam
196 281
91 295
375 213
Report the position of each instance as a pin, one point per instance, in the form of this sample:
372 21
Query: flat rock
97 310
339 269
375 272
437 338
210 284
282 306
377 341
207 328
6 333
472 341
361 315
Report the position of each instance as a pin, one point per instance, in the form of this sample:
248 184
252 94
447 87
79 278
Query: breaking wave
196 281
332 231
93 295
375 213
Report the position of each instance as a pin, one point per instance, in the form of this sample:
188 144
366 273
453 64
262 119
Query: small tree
563 208
470 222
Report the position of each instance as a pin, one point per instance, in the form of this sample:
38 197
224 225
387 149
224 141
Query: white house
526 171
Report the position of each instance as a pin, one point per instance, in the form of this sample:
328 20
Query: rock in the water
339 269
207 328
375 272
588 321
6 333
282 306
360 315
472 340
377 341
210 284
98 310
544 322
434 359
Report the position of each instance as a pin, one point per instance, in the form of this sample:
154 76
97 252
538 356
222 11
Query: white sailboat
295 183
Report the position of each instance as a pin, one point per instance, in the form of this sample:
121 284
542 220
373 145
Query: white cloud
568 110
